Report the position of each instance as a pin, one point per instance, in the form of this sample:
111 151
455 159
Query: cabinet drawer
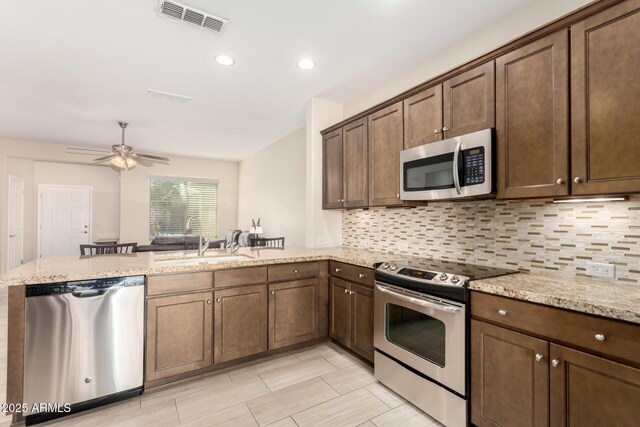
619 340
352 272
174 283
240 276
301 270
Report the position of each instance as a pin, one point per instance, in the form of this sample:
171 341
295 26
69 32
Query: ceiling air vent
184 13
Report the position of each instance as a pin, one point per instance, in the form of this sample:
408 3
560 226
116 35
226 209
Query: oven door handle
423 303
456 175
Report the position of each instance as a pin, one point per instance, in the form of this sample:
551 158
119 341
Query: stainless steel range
421 333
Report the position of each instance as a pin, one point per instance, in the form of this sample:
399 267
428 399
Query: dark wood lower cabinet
240 322
351 317
362 320
509 386
293 312
590 391
179 333
340 311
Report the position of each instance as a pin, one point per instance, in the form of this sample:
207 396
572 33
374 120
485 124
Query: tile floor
321 385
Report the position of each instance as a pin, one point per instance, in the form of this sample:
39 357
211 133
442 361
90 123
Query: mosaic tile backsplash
537 237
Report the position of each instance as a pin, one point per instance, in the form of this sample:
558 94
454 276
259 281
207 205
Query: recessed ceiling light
306 64
225 60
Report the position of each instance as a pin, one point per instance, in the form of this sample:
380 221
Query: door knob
577 180
539 357
85 232
559 181
12 235
555 363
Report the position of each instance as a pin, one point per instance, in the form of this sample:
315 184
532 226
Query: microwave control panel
473 166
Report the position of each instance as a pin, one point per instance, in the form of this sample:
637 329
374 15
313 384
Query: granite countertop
70 268
612 300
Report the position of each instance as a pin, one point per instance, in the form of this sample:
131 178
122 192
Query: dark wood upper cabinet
179 333
362 321
385 144
240 324
355 173
340 311
469 101
332 169
605 101
509 385
532 119
293 312
590 391
423 117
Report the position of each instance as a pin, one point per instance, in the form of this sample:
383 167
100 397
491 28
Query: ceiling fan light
130 162
119 162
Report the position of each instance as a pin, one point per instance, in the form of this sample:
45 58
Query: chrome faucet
203 245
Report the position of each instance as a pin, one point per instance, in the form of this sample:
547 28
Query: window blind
173 200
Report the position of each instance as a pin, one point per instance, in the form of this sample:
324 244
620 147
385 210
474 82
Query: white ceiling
70 69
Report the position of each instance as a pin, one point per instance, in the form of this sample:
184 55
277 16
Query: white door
65 219
16 222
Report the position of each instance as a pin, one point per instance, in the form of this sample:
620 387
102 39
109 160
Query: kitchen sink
191 260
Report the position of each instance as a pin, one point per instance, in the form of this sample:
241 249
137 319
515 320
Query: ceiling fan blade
149 156
140 160
104 159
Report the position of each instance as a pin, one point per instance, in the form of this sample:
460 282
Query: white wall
105 182
134 193
512 26
271 186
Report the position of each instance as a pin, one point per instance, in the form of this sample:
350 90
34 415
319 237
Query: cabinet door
332 168
179 333
356 178
532 120
293 312
469 101
589 391
423 117
605 89
340 312
240 325
385 144
362 320
509 386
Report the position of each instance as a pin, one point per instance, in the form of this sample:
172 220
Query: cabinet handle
555 363
273 292
360 275
398 195
436 131
445 129
338 270
218 300
559 181
502 312
539 357
577 180
295 271
209 301
346 291
351 292
600 337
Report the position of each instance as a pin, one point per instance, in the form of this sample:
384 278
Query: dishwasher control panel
83 285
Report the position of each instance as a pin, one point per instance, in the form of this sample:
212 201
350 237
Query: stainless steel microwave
449 169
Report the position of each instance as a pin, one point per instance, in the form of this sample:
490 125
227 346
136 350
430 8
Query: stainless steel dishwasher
84 344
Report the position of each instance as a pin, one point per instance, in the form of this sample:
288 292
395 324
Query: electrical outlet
322 243
597 269
403 246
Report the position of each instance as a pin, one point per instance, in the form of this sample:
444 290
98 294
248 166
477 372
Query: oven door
426 333
449 169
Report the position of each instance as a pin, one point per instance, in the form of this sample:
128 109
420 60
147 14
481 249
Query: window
173 200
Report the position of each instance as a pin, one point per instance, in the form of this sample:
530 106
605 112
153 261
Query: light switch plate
597 269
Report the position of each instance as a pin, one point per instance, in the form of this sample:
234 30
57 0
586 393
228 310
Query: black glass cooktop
473 272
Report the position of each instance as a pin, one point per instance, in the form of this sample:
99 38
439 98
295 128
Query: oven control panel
473 166
424 276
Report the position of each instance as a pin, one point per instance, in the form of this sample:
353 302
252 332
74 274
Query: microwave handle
423 303
456 175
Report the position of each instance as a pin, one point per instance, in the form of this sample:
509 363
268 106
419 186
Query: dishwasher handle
89 293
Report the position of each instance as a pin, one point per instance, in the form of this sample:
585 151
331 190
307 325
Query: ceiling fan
122 156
